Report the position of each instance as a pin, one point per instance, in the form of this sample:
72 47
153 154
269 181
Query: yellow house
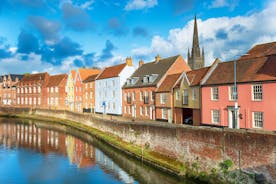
187 95
70 90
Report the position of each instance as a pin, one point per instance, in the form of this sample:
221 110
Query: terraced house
139 99
109 84
81 75
89 94
256 86
31 90
8 89
70 100
56 94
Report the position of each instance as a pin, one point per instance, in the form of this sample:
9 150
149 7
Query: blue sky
56 36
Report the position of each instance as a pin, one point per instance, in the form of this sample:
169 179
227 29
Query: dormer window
152 78
128 81
134 80
146 79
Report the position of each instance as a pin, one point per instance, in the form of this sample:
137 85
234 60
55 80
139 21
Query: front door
232 118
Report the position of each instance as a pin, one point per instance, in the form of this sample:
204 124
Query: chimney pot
129 61
157 58
141 62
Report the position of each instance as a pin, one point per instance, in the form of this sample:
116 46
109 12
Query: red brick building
8 89
164 98
31 90
139 91
81 75
89 94
56 94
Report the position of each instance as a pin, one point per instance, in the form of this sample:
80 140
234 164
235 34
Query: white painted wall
109 91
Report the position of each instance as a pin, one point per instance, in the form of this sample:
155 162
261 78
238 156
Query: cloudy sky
59 35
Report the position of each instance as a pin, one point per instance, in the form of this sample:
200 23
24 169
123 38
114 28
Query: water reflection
46 141
59 154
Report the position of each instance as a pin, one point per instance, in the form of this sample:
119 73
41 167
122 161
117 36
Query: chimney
157 58
141 62
129 61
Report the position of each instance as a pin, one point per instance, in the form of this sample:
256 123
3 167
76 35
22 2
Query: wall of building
245 102
253 150
70 92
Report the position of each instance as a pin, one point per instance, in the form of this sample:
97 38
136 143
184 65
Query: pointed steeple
196 59
188 55
195 49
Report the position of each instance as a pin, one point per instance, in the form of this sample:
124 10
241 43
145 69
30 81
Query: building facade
8 89
139 91
81 75
108 87
70 100
89 94
31 90
56 93
256 84
196 57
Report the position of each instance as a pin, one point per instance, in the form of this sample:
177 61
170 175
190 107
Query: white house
108 87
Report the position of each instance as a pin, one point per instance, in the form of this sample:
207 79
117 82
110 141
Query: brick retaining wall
253 150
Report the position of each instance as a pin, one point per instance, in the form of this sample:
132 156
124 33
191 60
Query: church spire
196 59
195 49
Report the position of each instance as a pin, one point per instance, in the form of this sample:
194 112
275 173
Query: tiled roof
260 50
169 83
195 76
86 72
13 77
159 68
112 71
248 70
90 78
73 73
34 77
55 80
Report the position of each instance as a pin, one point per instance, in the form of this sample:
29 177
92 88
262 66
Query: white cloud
223 37
87 5
218 4
140 4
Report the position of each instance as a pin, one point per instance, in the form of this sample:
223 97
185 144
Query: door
232 119
169 115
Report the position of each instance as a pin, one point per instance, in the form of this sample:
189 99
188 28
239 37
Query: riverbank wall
253 151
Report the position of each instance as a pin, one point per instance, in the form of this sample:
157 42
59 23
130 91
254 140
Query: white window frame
193 93
257 121
164 113
141 96
141 110
212 93
257 90
177 94
213 113
162 98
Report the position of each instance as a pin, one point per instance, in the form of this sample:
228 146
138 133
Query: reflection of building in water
79 152
112 168
33 137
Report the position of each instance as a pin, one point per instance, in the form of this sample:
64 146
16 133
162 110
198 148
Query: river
40 152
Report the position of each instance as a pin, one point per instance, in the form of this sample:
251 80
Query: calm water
33 153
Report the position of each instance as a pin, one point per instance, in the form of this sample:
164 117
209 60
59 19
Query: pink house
256 86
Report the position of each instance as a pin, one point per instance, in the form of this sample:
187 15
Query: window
39 101
34 101
34 89
141 95
125 108
152 96
39 89
193 93
177 95
22 90
26 90
56 101
133 96
30 101
232 93
114 105
56 89
30 89
162 98
52 101
52 89
26 100
113 82
258 120
257 92
18 100
185 97
48 101
141 111
128 109
146 111
114 93
125 95
18 90
164 113
86 86
22 101
214 93
215 116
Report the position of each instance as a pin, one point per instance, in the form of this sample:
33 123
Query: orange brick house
8 89
164 103
88 103
56 94
139 90
31 90
81 75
